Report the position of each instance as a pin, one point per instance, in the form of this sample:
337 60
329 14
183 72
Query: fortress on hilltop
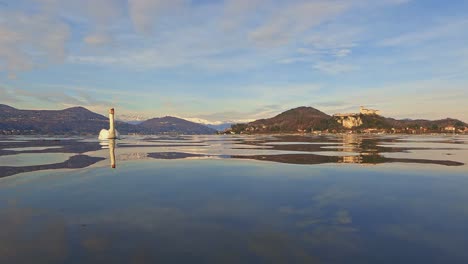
350 120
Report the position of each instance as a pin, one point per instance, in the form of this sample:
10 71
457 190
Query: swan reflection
110 144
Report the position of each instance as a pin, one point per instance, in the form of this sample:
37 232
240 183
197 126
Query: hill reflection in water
311 150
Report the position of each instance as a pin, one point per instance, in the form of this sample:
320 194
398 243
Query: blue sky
236 60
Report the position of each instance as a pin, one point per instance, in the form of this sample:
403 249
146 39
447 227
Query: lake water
232 199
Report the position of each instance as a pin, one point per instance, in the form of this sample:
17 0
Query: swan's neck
111 126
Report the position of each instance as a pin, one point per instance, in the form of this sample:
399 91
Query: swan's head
111 111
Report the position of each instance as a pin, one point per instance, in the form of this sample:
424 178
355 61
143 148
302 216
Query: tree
459 124
238 128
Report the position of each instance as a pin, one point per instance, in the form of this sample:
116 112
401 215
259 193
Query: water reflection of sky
159 205
308 150
30 159
30 148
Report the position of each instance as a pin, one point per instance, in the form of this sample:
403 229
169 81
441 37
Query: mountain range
217 125
79 120
171 124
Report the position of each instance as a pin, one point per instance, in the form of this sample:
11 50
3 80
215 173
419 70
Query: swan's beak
113 166
111 111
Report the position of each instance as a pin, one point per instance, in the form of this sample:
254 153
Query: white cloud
332 38
239 116
97 39
144 13
190 46
206 45
335 67
238 12
101 13
342 52
181 33
293 60
445 29
7 96
398 2
287 22
28 41
31 40
51 98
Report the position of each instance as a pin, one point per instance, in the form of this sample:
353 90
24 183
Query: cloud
397 2
442 31
7 96
182 33
50 98
226 35
97 39
293 60
333 103
334 37
101 13
342 53
334 68
192 46
144 13
238 12
265 111
289 21
29 41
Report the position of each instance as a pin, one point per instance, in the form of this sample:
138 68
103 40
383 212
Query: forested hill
308 119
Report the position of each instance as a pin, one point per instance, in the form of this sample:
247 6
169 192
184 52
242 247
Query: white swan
112 133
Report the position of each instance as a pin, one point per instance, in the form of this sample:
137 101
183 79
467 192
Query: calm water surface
227 199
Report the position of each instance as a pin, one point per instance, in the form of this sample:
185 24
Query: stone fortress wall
350 120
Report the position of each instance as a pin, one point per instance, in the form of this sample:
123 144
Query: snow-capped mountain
132 119
203 121
218 125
